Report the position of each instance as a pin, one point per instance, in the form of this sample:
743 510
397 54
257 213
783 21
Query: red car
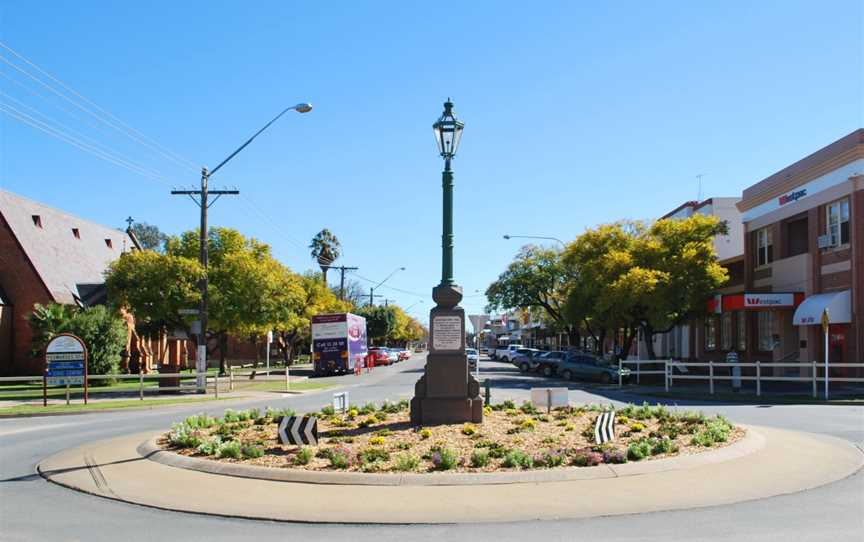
404 354
379 356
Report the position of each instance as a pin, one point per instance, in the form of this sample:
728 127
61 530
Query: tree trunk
223 346
573 336
648 334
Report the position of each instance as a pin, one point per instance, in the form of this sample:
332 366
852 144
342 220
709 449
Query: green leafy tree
380 322
149 236
536 279
154 287
101 329
325 250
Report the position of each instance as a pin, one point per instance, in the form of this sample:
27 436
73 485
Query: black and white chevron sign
604 429
301 430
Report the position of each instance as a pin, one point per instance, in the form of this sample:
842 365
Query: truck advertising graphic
338 343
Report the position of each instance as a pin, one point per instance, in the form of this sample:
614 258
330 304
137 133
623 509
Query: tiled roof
65 250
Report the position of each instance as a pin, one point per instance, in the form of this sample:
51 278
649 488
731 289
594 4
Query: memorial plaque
447 332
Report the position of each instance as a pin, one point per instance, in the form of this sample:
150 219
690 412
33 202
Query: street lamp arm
563 244
388 277
301 108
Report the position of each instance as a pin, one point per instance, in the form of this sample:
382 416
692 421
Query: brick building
803 253
46 256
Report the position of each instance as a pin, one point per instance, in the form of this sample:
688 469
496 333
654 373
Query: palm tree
325 249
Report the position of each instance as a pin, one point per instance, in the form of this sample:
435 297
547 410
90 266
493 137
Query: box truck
338 343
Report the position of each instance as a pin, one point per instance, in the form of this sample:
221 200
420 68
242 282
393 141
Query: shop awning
839 305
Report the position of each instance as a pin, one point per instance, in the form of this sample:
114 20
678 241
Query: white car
473 358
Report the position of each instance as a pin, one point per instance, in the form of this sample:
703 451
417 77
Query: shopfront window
764 247
765 329
838 222
741 320
726 331
711 333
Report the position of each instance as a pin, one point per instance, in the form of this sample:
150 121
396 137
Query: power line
35 123
123 128
391 287
81 136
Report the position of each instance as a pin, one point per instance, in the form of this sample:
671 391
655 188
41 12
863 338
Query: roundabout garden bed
381 439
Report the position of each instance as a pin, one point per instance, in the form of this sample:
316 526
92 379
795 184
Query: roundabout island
372 466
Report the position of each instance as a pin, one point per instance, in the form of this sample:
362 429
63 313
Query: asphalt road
32 509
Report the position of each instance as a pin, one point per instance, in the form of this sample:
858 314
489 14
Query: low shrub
209 446
403 446
425 433
637 427
376 441
230 448
543 418
639 450
304 455
614 456
380 416
528 425
623 420
664 446
517 459
469 429
390 408
251 451
368 408
487 410
508 405
279 413
353 413
184 436
328 410
339 457
586 457
200 421
371 455
403 404
367 422
480 458
406 462
550 458
527 407
444 459
569 427
384 432
511 412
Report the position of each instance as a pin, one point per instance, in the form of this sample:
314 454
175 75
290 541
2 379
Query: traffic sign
300 430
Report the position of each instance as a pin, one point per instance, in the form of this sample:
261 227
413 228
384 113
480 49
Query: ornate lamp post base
446 393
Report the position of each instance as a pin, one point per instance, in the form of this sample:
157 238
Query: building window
76 233
710 333
838 222
37 221
741 319
109 243
796 237
726 331
765 325
764 247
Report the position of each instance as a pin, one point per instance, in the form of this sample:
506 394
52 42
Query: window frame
761 340
741 331
764 235
726 330
839 207
710 329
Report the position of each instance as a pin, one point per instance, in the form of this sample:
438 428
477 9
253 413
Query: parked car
548 362
394 355
525 359
473 358
506 353
484 350
583 366
379 356
404 354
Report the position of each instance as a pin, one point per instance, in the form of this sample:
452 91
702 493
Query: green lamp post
447 393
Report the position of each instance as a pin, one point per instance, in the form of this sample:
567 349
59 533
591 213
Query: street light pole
447 393
204 203
372 289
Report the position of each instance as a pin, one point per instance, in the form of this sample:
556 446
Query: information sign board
447 333
65 361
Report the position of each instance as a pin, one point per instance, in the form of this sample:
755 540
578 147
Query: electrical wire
118 124
35 123
80 136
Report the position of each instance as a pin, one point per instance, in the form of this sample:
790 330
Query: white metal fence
724 372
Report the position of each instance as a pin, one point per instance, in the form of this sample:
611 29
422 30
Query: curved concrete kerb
766 463
150 449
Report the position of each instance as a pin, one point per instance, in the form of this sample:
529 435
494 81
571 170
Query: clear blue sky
576 114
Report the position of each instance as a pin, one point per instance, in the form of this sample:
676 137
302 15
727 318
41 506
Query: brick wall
24 289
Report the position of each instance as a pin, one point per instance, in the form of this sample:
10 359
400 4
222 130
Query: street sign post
478 322
267 348
65 364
